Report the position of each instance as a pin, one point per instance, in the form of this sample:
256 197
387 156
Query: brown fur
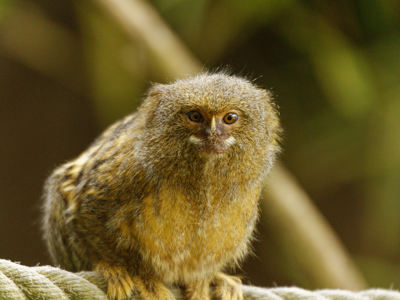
146 206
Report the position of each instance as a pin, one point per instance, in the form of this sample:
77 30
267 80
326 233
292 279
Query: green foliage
4 5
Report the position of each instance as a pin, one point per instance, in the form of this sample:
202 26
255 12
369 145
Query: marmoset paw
227 287
119 283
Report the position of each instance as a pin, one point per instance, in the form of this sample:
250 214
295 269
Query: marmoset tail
168 195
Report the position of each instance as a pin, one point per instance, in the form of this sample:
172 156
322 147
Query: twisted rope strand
50 283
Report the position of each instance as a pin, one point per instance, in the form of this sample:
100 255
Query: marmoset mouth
214 148
215 145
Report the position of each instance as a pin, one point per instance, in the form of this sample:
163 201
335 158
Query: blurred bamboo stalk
321 251
139 20
302 228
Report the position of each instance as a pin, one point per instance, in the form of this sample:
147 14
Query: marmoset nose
215 128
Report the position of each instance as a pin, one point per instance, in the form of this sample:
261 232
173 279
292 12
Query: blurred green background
67 71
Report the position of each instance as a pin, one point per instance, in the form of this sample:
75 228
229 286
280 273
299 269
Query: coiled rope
50 283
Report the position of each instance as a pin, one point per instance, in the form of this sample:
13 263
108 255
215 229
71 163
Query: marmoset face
211 115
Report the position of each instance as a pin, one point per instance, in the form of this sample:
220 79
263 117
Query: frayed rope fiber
50 283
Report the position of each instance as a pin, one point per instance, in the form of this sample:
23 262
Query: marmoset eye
230 118
195 116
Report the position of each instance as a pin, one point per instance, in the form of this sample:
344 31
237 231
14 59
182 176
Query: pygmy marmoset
168 195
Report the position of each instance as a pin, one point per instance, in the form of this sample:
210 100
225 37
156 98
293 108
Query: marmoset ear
152 101
153 97
156 90
274 129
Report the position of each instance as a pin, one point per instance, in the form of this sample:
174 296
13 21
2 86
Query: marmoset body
168 195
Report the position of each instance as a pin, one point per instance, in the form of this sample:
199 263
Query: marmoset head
211 115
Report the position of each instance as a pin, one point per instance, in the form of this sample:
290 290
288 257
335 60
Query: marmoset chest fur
169 194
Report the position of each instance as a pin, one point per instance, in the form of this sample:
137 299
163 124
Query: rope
49 283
